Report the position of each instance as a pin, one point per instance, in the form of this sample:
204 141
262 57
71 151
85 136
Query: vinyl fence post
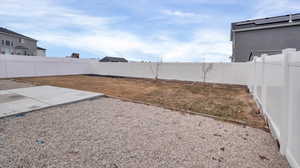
255 78
264 88
286 96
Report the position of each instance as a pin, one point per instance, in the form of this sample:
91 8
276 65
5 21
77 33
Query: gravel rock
111 133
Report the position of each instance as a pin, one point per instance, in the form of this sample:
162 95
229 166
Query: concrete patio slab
20 106
22 100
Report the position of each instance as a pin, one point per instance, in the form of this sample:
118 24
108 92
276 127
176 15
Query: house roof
40 48
265 23
7 31
113 59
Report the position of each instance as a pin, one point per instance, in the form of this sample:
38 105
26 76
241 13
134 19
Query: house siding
28 43
41 52
264 39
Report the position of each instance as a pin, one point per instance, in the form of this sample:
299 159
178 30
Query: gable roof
7 31
40 48
113 59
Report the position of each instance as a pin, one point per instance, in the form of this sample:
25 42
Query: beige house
13 43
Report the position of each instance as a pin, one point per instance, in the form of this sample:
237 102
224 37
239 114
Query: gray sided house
13 43
264 36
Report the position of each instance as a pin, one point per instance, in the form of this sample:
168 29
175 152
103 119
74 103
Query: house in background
264 36
40 51
13 43
74 55
113 59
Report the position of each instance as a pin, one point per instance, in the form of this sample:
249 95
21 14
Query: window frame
7 43
21 40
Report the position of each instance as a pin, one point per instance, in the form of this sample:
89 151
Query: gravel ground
9 84
110 133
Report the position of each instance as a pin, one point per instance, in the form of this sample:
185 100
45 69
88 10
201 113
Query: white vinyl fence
229 73
12 66
273 80
275 83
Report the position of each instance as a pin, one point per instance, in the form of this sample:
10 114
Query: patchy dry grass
227 102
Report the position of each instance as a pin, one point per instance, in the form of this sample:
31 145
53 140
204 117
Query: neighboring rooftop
7 31
264 23
40 48
113 59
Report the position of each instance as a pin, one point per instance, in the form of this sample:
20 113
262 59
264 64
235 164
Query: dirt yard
226 102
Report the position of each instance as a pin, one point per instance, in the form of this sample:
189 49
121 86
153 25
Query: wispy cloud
266 8
58 25
47 14
178 13
181 17
202 48
72 28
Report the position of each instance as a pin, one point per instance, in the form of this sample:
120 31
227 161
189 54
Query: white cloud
207 45
201 2
180 17
45 13
266 8
180 13
54 24
98 42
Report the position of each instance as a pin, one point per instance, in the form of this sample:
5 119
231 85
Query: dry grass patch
228 102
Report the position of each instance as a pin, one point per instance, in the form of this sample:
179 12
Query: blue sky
149 30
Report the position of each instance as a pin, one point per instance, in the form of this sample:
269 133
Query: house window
7 43
2 42
21 40
12 43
